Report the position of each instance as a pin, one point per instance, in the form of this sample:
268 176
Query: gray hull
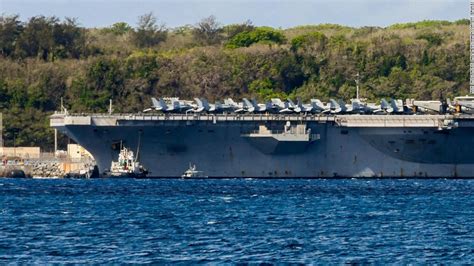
224 150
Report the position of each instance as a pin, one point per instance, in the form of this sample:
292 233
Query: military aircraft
248 106
337 107
356 107
300 107
359 107
262 107
464 104
236 107
280 106
161 106
254 107
392 107
425 106
319 107
202 106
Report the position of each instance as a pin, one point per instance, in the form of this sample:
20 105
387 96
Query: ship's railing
226 117
438 121
213 117
340 120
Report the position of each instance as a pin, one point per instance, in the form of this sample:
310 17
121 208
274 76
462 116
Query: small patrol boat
127 166
192 173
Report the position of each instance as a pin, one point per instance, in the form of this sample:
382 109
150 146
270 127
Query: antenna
139 142
110 107
472 48
357 85
63 109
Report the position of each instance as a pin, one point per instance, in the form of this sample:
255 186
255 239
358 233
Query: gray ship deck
359 121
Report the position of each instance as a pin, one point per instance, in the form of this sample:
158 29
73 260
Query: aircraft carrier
281 146
281 139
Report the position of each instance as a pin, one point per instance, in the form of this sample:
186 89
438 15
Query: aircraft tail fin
384 104
247 103
175 105
205 104
158 104
155 102
255 103
317 104
199 102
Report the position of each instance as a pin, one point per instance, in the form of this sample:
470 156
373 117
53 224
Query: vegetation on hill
45 59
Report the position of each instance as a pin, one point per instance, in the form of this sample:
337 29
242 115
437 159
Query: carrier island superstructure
419 139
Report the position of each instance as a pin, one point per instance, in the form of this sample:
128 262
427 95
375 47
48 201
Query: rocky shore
48 169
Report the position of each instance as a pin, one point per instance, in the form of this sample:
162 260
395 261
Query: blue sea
236 221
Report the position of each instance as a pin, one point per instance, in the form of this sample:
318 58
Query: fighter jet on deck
281 107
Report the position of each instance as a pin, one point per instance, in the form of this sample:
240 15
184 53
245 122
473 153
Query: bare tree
208 31
148 32
234 29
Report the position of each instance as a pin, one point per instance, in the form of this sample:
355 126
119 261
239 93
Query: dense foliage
45 59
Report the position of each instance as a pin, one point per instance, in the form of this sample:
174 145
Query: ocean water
221 221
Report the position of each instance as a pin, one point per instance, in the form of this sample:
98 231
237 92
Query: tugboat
192 173
127 166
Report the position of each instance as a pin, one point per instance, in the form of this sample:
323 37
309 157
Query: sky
274 13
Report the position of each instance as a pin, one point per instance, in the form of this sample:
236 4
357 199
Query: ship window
432 142
410 141
392 142
210 131
200 130
344 132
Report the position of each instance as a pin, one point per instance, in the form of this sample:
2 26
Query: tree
37 39
69 41
119 28
258 35
433 39
264 89
234 29
207 31
307 40
148 33
10 28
